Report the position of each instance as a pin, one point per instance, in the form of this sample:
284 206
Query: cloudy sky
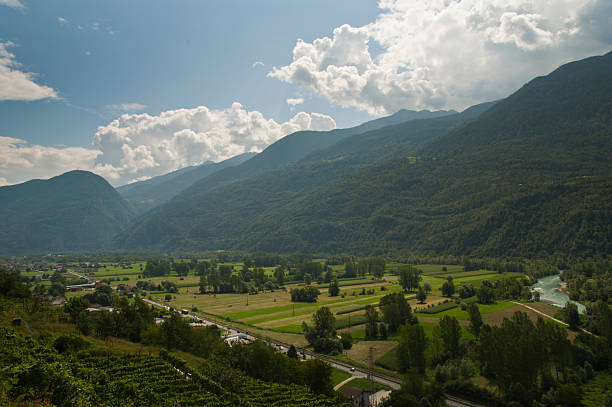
135 89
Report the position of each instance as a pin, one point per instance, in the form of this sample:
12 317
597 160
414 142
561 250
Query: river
549 289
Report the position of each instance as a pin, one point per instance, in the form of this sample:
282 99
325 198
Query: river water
549 288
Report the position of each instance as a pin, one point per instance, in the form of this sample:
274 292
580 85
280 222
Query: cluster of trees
589 281
394 312
322 334
261 361
532 363
305 294
371 265
128 319
224 279
409 277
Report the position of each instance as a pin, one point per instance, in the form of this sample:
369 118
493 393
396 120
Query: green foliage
371 319
409 277
475 318
450 332
146 195
11 285
527 177
411 348
395 311
306 294
77 210
334 288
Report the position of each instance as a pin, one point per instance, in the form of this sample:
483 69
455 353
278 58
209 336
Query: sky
134 89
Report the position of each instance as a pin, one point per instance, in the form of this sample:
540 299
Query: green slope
530 176
77 210
145 195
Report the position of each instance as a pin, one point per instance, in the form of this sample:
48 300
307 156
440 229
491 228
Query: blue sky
134 89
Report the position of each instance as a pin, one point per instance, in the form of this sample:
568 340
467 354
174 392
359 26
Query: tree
475 318
409 277
450 331
292 352
395 311
427 287
279 275
571 315
334 288
306 294
350 270
323 331
411 348
421 296
371 329
347 340
75 306
317 376
448 288
485 295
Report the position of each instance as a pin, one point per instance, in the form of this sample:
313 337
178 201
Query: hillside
145 195
530 176
77 210
294 147
202 212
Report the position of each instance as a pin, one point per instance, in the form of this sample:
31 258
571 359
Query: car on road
352 369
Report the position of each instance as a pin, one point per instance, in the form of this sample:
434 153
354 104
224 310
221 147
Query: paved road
390 381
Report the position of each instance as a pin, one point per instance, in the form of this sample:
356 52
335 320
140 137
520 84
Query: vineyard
33 371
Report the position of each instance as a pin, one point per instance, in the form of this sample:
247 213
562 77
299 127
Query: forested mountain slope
530 176
145 195
77 210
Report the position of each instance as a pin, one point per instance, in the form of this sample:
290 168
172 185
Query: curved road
390 381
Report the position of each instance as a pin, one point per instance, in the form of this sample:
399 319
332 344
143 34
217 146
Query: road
390 381
386 380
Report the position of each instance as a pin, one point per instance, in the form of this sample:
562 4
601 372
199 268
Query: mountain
294 165
145 195
294 147
527 176
77 210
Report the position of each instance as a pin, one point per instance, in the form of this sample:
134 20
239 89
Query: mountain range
529 175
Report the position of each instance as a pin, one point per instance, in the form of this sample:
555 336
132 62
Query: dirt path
342 383
540 312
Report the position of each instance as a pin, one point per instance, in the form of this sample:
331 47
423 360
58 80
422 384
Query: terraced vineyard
34 372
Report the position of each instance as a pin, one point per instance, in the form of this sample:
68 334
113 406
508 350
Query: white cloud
258 63
134 146
11 3
293 102
62 20
447 54
18 85
127 107
22 161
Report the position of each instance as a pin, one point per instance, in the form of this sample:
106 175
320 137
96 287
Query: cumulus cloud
138 146
134 146
22 161
11 3
62 20
18 85
258 63
293 102
446 54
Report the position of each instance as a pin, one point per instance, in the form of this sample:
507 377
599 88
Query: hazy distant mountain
529 176
292 148
145 195
77 210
